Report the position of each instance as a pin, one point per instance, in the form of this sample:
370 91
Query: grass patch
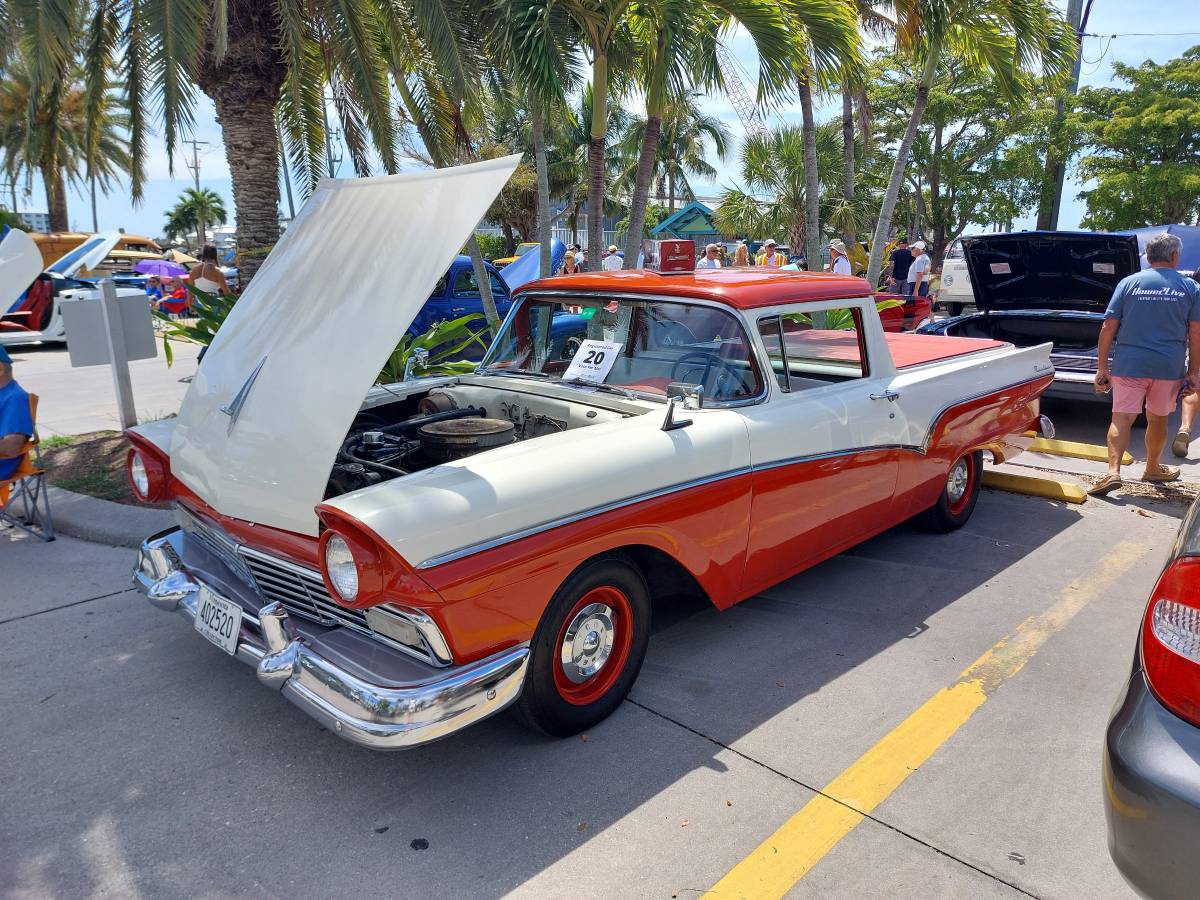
92 464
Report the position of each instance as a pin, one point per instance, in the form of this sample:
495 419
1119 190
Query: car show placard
593 361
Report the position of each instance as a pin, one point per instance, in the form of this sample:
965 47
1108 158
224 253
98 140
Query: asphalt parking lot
140 761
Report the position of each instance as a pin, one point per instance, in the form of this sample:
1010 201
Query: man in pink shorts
1154 318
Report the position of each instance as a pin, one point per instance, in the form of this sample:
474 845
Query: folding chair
24 500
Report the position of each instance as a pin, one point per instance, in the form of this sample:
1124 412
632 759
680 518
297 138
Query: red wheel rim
593 645
960 483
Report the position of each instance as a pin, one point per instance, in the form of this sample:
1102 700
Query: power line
1143 34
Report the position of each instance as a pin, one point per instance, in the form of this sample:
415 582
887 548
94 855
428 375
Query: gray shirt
1154 307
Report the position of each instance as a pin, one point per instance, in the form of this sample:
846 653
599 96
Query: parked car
1151 780
404 560
37 317
1038 287
522 248
956 293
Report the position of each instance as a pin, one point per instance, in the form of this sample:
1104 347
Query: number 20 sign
592 361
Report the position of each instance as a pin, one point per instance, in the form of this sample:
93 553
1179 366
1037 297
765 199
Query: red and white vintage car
403 560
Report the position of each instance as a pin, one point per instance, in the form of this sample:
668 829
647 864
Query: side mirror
692 395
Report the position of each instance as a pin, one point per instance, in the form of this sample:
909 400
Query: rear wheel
588 648
959 495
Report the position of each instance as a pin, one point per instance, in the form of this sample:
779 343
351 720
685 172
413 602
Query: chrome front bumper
379 716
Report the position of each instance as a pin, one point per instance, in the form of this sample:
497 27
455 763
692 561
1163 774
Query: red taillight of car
147 468
1171 639
360 570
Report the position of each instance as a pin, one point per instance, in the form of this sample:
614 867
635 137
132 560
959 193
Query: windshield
955 250
630 345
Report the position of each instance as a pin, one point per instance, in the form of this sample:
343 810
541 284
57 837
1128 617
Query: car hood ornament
233 408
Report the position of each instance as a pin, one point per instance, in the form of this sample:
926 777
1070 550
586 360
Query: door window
812 349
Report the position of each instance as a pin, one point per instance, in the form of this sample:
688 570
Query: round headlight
138 476
343 572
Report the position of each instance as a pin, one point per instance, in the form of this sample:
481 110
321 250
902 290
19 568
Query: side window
498 288
465 284
439 289
813 349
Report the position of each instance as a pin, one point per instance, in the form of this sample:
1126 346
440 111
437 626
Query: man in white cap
839 262
612 262
711 259
917 284
769 257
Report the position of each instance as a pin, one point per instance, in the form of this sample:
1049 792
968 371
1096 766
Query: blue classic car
457 294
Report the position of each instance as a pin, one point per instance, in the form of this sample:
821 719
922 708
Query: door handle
889 395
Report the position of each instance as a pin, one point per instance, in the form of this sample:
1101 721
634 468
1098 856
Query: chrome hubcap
956 482
587 643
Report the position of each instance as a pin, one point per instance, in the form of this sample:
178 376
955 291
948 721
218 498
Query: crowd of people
172 293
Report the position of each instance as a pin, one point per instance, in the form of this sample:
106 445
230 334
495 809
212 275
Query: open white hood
263 419
20 263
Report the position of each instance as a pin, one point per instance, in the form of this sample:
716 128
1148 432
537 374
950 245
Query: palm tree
679 152
195 210
679 42
249 57
49 135
775 198
853 89
1010 39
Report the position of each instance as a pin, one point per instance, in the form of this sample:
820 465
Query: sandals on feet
1180 445
1163 475
1105 486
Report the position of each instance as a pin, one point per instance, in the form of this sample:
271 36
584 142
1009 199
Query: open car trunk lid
262 421
1065 270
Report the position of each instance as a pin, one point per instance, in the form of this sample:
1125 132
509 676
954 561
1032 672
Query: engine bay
396 437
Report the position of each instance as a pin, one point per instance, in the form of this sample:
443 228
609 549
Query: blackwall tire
588 648
959 495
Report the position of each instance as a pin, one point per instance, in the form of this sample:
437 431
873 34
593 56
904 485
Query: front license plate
219 620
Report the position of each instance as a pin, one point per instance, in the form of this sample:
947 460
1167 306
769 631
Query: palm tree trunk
485 283
848 154
671 192
95 218
56 198
884 226
596 144
543 186
641 188
812 182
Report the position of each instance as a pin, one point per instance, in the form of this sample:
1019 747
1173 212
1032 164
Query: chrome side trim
500 541
577 517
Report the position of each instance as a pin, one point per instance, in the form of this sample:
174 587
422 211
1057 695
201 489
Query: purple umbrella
161 267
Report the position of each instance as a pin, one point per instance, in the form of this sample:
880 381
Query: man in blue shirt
1154 318
16 423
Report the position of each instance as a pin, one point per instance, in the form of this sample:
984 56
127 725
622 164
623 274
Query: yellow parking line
1075 450
778 863
1034 486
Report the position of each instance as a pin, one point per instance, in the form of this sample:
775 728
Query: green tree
774 200
44 130
1009 39
967 164
1144 145
194 211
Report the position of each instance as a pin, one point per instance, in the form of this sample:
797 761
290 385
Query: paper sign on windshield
1101 268
1001 268
593 361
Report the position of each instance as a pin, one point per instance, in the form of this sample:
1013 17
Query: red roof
740 288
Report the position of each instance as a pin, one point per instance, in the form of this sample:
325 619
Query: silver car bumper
379 716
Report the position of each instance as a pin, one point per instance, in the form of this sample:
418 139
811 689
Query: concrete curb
103 521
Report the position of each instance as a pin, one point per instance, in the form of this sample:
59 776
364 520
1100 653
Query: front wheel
959 495
588 648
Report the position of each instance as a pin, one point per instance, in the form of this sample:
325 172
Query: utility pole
1056 162
194 165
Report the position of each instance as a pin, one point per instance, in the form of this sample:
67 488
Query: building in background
34 221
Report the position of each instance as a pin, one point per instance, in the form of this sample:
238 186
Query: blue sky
1107 17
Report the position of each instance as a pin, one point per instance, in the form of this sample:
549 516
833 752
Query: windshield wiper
493 370
600 386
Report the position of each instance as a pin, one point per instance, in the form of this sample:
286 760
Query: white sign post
118 357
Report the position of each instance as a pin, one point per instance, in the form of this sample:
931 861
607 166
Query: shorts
1159 395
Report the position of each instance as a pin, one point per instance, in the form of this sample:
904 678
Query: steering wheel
702 364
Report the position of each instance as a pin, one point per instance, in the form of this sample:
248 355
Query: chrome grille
217 542
300 590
